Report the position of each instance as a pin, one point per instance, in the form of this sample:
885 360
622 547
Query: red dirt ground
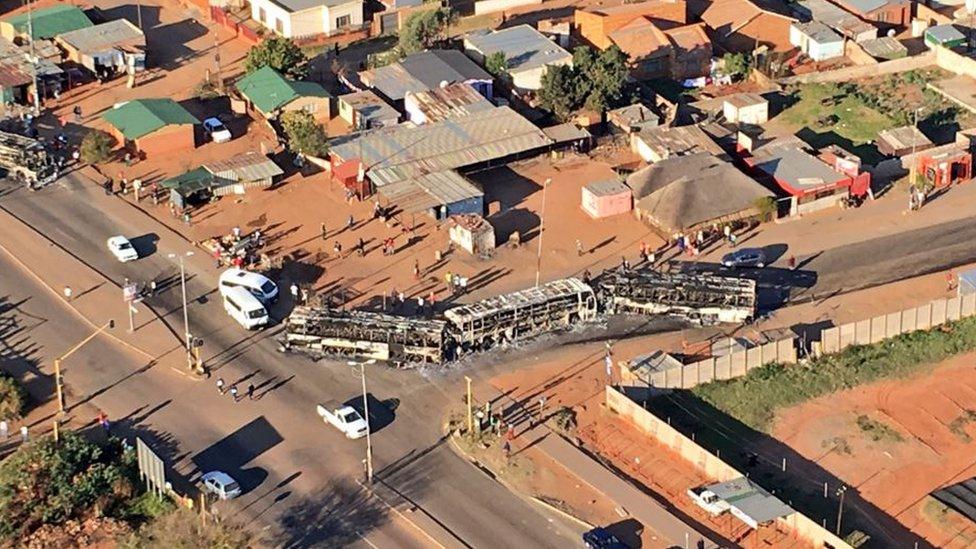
896 476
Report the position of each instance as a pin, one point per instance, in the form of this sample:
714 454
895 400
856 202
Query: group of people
234 393
455 283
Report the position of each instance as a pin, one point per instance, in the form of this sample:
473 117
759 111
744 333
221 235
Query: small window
343 21
262 15
279 26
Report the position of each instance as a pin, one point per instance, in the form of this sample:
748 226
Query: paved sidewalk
636 503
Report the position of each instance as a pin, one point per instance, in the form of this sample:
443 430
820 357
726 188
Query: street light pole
33 57
186 319
542 226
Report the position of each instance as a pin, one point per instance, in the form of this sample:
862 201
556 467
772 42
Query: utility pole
840 508
186 319
139 13
220 79
33 57
369 442
542 227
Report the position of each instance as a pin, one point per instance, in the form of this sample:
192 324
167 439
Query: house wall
823 51
307 23
491 6
532 79
691 64
347 113
594 27
765 29
319 107
273 12
899 15
750 114
169 139
640 147
331 15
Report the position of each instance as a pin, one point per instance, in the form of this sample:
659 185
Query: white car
122 249
216 130
221 484
344 418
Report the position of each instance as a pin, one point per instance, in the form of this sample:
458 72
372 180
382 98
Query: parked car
344 418
216 129
746 257
601 538
122 249
259 285
221 484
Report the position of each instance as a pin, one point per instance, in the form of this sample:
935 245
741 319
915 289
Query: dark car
746 257
601 538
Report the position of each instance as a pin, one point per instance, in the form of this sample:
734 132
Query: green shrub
48 482
754 398
13 398
96 147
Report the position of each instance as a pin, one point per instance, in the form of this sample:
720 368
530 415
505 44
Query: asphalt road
297 472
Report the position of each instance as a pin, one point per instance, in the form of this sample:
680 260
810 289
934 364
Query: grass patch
947 520
837 444
754 398
958 425
878 431
831 108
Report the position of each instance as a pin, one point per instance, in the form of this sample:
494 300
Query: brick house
884 13
152 126
744 25
596 25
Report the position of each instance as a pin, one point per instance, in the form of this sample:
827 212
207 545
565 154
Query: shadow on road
232 453
145 245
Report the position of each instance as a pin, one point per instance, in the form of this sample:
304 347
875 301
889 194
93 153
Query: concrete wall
491 6
954 62
724 367
353 9
710 465
873 330
856 53
167 140
273 12
865 71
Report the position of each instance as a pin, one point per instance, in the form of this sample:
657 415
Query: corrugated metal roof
753 502
524 47
411 151
566 133
104 36
680 140
370 106
819 32
19 57
295 6
453 100
141 117
799 169
247 166
423 71
11 77
904 137
430 191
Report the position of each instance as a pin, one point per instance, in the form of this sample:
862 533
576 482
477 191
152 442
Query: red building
946 167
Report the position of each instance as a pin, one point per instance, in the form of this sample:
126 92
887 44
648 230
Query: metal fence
717 368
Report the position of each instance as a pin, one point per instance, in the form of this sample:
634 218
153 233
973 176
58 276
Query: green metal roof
50 22
143 116
190 182
268 90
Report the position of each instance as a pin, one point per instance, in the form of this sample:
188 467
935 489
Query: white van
259 285
244 308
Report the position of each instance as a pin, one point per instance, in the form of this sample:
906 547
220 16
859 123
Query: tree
281 54
607 76
737 65
422 30
496 64
766 206
305 135
48 482
559 91
13 398
96 147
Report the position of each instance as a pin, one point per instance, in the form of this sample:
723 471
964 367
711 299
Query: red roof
347 170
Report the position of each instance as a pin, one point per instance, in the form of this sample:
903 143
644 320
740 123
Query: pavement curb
33 273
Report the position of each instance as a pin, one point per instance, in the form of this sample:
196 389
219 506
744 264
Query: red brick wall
168 140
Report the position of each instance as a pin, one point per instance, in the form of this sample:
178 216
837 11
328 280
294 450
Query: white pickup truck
344 418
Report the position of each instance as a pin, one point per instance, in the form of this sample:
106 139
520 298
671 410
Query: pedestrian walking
325 232
579 248
608 362
449 282
455 283
950 281
643 250
75 156
250 391
152 288
304 296
77 113
700 238
220 385
233 392
67 293
23 433
733 239
361 248
416 269
186 218
463 283
728 232
236 231
294 292
103 421
4 430
651 258
377 209
586 277
350 222
507 450
337 248
791 263
420 305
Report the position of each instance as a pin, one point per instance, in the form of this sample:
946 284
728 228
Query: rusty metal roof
247 166
11 76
